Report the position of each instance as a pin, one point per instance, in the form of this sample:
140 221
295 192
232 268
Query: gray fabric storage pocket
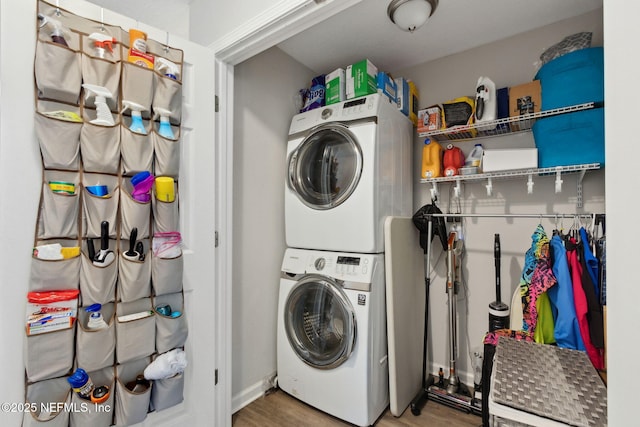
133 213
135 338
131 407
136 149
49 355
58 70
166 274
95 349
137 85
166 215
167 154
98 281
96 208
96 414
134 280
59 211
168 392
48 395
171 332
101 72
59 140
100 146
168 95
51 275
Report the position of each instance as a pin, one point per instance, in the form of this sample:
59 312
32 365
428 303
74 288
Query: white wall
168 15
211 20
19 163
508 62
265 87
623 292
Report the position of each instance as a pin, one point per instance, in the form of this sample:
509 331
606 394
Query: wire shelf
504 126
514 173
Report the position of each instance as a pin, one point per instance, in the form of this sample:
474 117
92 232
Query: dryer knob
319 264
326 113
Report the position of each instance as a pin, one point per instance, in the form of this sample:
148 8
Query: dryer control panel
352 109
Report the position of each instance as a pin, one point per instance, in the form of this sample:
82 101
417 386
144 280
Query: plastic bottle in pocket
431 159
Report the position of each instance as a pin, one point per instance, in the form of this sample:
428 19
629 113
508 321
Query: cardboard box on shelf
494 160
524 99
335 86
429 119
361 79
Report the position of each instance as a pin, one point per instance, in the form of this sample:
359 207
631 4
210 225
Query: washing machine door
320 322
325 168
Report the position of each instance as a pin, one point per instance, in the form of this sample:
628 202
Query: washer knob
319 264
326 113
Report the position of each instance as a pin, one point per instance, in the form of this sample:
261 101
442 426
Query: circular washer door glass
325 169
320 322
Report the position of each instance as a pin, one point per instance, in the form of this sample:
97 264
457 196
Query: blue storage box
570 139
574 78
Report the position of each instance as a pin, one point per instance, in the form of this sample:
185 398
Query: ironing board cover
552 382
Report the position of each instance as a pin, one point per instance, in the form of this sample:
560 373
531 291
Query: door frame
283 20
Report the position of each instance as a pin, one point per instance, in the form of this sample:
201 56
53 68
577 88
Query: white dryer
331 343
349 167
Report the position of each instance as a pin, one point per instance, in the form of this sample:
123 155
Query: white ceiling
365 31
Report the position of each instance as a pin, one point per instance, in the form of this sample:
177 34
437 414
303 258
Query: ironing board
405 293
543 385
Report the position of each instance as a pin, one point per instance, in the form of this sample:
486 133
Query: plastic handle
91 250
104 235
132 241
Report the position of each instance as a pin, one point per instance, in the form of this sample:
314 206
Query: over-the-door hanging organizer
107 119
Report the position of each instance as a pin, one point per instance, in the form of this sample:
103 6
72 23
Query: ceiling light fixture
411 14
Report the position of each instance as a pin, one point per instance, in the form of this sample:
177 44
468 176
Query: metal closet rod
470 215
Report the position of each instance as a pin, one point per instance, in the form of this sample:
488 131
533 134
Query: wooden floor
278 409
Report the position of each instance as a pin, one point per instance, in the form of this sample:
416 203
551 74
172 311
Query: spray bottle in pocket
136 116
104 116
431 159
165 125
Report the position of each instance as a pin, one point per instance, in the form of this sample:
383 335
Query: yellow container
138 40
164 189
431 159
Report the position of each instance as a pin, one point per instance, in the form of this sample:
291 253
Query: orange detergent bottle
431 159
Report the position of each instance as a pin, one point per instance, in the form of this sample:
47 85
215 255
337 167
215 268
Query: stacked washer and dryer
349 167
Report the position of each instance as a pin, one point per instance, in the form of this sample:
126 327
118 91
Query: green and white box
361 79
335 84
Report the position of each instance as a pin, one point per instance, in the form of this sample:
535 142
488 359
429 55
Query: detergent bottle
453 160
475 156
168 68
104 116
55 29
431 159
136 116
102 42
486 103
165 126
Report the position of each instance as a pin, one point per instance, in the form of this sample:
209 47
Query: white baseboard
251 393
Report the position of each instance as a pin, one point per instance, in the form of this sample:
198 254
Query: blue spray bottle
136 116
165 125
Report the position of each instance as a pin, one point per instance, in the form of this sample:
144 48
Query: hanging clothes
536 278
601 253
540 313
590 260
594 309
580 301
530 262
566 328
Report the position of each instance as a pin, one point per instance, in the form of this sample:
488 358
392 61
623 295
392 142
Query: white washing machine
349 167
331 345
